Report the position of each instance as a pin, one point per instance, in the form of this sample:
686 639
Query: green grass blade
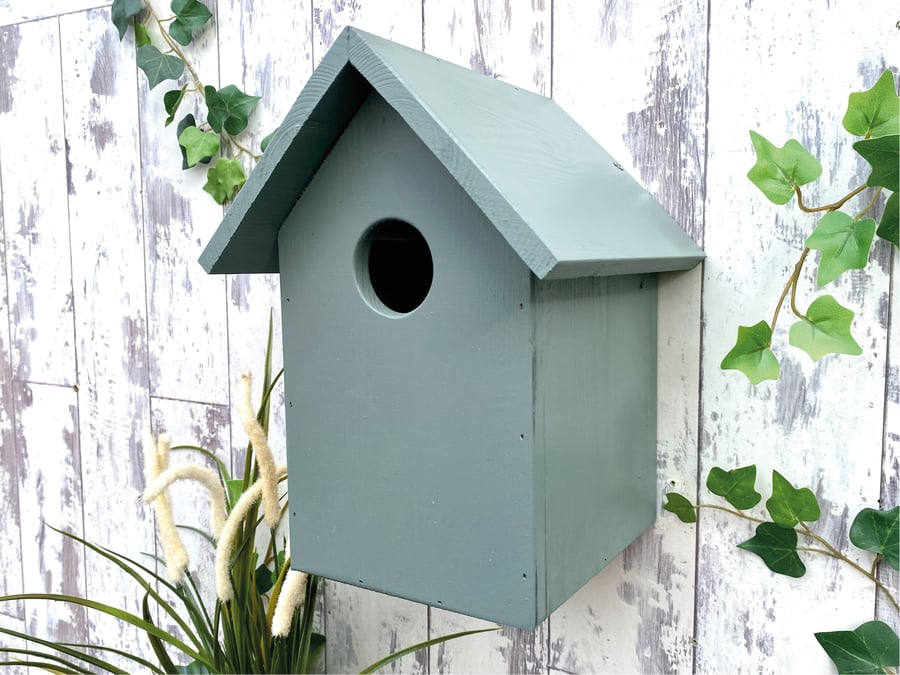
155 643
66 648
122 561
119 652
52 667
66 666
117 613
422 645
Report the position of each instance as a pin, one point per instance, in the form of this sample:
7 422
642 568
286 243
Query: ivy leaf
876 111
889 228
825 330
779 170
158 66
198 145
264 143
884 155
230 108
224 180
190 16
777 546
736 486
879 532
872 648
187 121
681 507
171 100
844 243
122 11
789 505
141 36
751 354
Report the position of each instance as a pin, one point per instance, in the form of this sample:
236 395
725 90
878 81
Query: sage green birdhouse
469 316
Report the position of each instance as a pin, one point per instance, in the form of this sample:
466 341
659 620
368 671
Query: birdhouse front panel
409 381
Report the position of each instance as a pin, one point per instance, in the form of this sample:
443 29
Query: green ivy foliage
228 109
776 543
844 240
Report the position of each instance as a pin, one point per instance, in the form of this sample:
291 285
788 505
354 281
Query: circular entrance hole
394 268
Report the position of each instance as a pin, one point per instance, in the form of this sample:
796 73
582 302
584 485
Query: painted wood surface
101 291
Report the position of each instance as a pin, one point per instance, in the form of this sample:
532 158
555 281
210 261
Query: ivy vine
213 140
842 239
871 647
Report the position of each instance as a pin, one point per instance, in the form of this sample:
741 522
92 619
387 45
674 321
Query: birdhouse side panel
596 418
410 427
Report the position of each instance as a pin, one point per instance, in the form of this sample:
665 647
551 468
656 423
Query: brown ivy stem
827 207
241 149
175 48
791 286
739 514
835 553
869 205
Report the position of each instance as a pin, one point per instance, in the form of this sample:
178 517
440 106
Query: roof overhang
560 201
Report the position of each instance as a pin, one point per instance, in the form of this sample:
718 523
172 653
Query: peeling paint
103 72
10 40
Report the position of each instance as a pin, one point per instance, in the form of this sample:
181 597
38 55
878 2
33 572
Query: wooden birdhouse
469 316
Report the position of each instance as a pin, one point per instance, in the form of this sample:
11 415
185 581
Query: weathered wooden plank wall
108 325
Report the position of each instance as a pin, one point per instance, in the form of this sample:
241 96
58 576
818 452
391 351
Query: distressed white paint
10 567
47 419
37 245
157 340
19 11
186 313
99 97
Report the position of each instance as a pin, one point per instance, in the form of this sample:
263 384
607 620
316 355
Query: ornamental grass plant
263 616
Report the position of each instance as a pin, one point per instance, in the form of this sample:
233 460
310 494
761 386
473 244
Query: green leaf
264 143
224 180
264 581
876 111
872 648
890 220
198 145
844 243
190 16
884 156
122 11
777 546
155 643
229 108
779 170
789 505
736 486
235 488
825 330
879 532
681 507
171 100
751 354
158 66
141 36
186 121
193 668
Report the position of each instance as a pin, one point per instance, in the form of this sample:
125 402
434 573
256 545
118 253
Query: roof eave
247 239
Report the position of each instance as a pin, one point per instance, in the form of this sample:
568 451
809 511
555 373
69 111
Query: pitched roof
553 193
